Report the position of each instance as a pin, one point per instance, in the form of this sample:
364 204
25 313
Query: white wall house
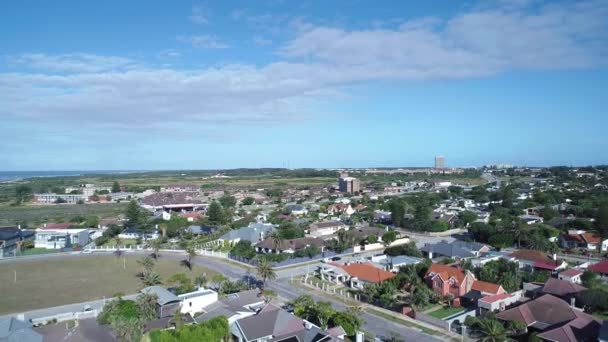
61 238
196 301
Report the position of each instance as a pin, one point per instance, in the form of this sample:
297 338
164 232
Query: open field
45 283
37 214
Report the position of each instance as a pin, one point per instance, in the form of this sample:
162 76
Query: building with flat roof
55 198
61 238
440 162
348 184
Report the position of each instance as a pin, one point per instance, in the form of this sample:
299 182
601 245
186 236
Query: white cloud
261 41
199 15
203 42
73 62
317 64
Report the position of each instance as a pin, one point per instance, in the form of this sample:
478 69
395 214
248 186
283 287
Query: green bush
118 309
215 329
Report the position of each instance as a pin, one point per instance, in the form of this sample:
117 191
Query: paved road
373 324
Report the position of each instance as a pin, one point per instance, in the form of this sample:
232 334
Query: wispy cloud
199 15
261 41
203 42
317 64
72 62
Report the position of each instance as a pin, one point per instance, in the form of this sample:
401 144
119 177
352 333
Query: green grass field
45 283
38 214
445 312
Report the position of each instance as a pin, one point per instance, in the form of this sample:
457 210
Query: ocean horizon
11 176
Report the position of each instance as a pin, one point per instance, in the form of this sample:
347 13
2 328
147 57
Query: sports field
51 282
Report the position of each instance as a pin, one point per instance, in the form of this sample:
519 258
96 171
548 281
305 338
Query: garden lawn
53 282
445 312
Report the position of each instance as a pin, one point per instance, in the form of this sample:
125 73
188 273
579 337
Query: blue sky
225 84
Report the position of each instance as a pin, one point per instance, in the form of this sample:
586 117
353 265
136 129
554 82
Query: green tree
227 201
23 193
156 244
115 187
147 265
491 331
147 305
277 240
127 329
248 201
323 312
590 279
201 280
181 282
215 213
190 255
389 237
133 214
265 271
151 279
468 217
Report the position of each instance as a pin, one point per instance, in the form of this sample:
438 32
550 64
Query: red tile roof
484 286
559 287
591 237
600 267
446 272
530 255
495 298
571 272
366 272
546 265
57 226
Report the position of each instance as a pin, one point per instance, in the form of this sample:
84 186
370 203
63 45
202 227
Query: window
190 304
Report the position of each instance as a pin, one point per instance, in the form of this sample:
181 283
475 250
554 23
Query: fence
68 316
294 260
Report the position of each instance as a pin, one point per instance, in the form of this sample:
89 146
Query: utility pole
464 329
15 276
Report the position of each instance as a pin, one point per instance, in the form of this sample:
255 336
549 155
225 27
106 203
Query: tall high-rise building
348 184
440 162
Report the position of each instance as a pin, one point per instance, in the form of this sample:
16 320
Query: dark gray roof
14 330
252 233
231 305
164 295
9 233
457 248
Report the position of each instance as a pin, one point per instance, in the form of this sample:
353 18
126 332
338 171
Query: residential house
531 219
201 230
167 303
383 216
135 232
61 238
455 250
340 209
55 198
15 330
530 259
392 264
193 216
268 245
297 209
173 201
448 218
11 238
498 302
319 229
273 324
571 275
583 239
180 188
445 280
254 232
562 289
234 306
554 320
195 302
356 275
601 268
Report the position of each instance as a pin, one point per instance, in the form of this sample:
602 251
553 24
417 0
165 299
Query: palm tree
201 280
277 240
155 244
151 279
147 305
265 271
218 279
191 251
147 264
269 295
518 231
492 331
117 243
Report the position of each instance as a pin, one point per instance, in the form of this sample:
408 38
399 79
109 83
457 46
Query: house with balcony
448 280
583 239
11 238
319 229
61 238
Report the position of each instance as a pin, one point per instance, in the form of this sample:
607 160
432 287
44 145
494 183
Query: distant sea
11 176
